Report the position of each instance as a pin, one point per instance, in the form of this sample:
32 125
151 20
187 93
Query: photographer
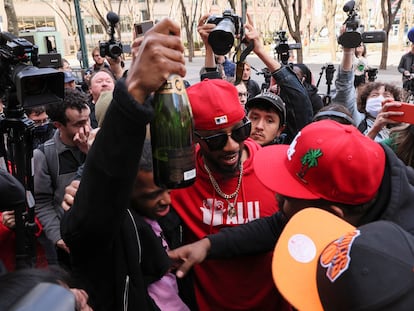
298 105
406 67
100 63
369 107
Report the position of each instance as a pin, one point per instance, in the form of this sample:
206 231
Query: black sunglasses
218 141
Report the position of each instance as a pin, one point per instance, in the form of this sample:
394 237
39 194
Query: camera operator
100 63
406 67
369 107
43 128
12 196
292 92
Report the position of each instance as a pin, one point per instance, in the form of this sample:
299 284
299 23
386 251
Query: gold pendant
231 211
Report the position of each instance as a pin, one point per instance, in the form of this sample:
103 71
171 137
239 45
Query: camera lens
221 38
115 50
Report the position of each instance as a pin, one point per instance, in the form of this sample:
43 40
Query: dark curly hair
367 88
73 99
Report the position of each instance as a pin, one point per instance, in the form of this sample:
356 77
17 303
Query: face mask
41 129
374 105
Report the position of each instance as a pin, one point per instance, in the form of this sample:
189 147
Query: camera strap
240 58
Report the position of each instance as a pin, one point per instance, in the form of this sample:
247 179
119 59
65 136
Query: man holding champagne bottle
102 250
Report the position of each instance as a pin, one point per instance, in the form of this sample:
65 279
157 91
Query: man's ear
337 211
57 124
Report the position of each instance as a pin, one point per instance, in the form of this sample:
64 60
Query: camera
111 48
354 32
23 85
221 38
282 47
409 84
19 76
372 74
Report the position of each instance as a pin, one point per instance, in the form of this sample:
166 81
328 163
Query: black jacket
298 105
395 202
114 252
315 98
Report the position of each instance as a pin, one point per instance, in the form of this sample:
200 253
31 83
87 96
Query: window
36 23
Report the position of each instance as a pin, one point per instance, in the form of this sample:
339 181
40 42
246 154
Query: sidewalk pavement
315 62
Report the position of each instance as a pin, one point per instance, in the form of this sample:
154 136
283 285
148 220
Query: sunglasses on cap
218 141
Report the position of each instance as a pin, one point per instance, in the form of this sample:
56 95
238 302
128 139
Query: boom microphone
112 17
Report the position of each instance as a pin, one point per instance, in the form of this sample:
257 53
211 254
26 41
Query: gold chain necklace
232 210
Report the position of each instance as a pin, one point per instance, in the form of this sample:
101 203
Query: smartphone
407 117
142 28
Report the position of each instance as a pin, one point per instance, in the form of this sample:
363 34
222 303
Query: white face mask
374 105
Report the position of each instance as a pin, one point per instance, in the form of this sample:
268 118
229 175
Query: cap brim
297 253
270 166
257 100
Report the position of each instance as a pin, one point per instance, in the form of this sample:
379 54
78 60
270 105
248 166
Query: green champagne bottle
173 149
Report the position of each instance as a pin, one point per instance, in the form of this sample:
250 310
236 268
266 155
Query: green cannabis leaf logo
309 160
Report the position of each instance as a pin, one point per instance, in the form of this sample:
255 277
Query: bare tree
292 9
330 12
389 10
189 23
65 13
99 12
12 24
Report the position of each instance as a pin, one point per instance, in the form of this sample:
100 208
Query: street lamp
82 40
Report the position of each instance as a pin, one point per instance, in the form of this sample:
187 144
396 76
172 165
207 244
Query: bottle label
175 165
174 85
180 162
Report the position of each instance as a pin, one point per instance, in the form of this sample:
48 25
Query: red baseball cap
326 160
215 104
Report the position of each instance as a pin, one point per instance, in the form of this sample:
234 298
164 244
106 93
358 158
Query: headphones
331 113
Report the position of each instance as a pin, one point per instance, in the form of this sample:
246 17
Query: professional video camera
221 38
354 32
33 86
372 74
282 47
23 85
267 75
111 48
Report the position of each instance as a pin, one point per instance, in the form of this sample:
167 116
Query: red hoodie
243 283
8 245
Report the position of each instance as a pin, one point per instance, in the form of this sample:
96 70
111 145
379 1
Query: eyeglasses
218 141
41 122
243 94
96 55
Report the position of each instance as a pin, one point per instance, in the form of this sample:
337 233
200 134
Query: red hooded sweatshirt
243 283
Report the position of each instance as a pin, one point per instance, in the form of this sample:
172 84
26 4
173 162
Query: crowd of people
114 240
